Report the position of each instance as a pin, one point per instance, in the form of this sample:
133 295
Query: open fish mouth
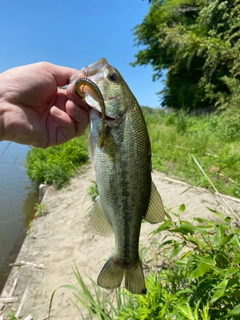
99 114
92 99
110 118
79 90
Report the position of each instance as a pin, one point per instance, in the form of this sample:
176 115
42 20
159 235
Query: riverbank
62 238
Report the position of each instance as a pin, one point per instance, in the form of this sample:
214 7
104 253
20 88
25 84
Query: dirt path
62 238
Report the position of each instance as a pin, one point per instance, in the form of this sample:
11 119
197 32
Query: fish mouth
110 119
99 115
92 102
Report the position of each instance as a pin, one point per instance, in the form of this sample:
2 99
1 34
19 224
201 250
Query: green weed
93 191
202 277
40 209
11 315
56 165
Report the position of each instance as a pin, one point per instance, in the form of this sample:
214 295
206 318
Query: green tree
197 41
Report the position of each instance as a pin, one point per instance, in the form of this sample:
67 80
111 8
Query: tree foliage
198 42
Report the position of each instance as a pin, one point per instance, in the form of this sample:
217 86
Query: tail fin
111 276
134 279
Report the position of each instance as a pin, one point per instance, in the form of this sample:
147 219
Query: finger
71 95
67 129
79 115
61 74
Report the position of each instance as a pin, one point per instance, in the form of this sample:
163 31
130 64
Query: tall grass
96 302
175 137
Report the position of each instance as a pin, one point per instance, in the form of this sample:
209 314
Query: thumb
61 74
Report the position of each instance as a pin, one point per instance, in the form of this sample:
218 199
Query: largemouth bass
123 173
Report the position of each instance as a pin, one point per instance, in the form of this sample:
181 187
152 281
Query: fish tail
134 279
112 273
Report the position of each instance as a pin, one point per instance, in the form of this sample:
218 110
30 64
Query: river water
18 196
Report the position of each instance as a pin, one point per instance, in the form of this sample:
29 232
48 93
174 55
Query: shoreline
13 254
62 238
6 268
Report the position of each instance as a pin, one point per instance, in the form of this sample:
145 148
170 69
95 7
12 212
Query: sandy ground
62 238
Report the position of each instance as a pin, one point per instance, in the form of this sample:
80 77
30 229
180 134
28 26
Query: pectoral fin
91 151
99 221
156 210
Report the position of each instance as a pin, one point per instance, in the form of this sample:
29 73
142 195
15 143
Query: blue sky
75 34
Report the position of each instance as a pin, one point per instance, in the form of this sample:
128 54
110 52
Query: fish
126 192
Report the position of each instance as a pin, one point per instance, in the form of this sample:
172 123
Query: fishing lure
90 84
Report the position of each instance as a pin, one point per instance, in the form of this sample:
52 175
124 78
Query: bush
56 165
203 281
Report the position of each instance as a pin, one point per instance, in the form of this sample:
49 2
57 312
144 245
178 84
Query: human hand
35 111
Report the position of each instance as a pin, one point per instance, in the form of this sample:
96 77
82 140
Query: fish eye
112 77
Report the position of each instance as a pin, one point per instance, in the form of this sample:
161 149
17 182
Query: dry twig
227 207
17 314
26 263
8 300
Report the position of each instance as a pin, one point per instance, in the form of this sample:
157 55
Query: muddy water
18 196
